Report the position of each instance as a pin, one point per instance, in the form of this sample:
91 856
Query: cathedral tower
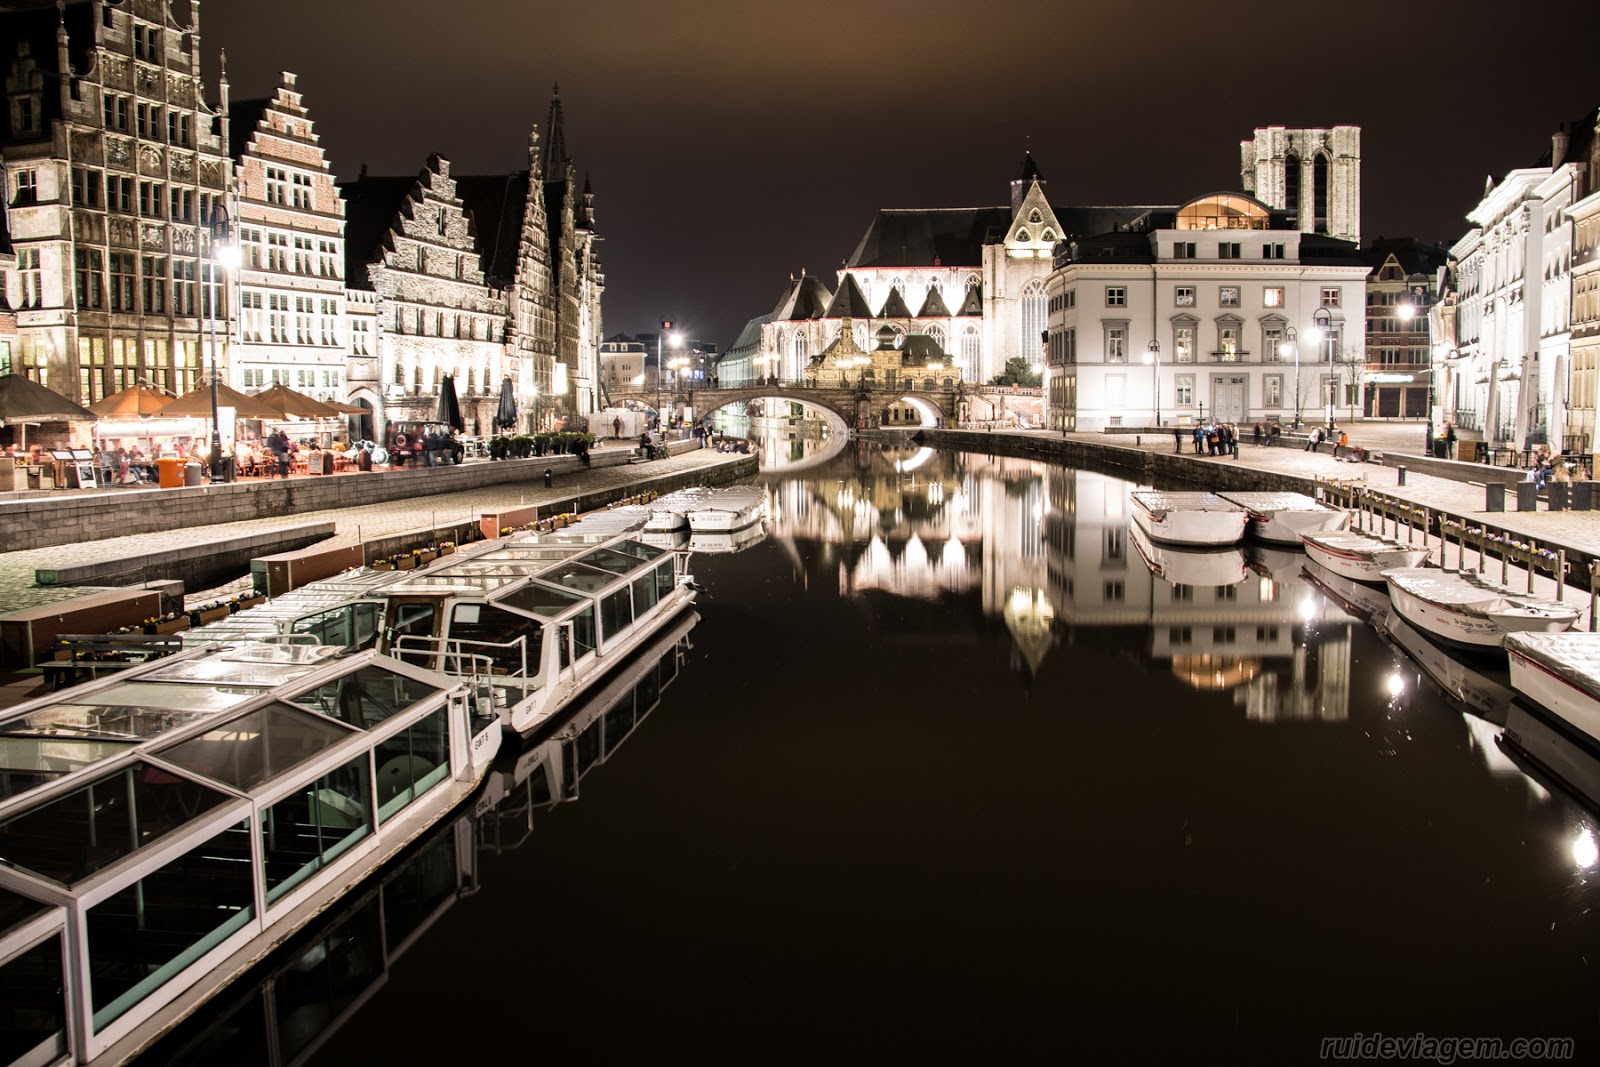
1314 174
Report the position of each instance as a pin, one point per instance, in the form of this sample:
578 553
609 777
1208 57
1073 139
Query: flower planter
246 602
406 563
211 615
445 550
382 565
427 557
171 626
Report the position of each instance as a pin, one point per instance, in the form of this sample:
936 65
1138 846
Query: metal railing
453 657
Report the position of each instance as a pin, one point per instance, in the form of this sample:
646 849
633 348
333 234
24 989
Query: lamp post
677 363
219 251
1291 344
1152 355
1323 320
673 339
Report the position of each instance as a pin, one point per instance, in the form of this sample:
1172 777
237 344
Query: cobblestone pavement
17 588
1570 529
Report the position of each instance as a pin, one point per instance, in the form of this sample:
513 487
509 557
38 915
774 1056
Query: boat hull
723 520
1288 527
1362 565
1205 529
1453 625
1561 696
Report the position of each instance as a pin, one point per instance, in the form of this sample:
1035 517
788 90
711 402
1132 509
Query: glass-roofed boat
162 829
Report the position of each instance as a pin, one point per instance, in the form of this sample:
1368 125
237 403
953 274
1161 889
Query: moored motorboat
729 509
1192 566
1194 519
670 511
1560 672
1282 518
1362 557
1467 610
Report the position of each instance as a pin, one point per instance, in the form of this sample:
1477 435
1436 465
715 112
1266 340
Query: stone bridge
853 405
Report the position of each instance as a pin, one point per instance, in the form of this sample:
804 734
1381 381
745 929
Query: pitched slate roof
370 205
1580 139
895 307
805 298
973 303
749 338
919 349
1318 250
35 21
848 302
933 307
954 237
1414 256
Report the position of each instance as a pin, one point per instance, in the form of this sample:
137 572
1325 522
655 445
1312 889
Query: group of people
1212 438
1548 467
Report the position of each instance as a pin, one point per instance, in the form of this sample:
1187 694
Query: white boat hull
1194 566
1558 695
1363 565
1288 527
723 520
1470 629
1209 529
665 520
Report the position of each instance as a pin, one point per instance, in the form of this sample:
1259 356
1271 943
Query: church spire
1026 177
555 138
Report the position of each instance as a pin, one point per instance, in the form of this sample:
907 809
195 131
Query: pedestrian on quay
1177 440
616 426
278 445
1257 434
1314 440
1449 441
1344 443
1199 438
1233 438
1274 433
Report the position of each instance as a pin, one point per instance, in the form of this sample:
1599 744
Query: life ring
399 440
380 455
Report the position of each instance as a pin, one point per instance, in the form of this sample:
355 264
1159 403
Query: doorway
1227 397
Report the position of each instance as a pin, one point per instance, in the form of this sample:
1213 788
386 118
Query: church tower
1314 174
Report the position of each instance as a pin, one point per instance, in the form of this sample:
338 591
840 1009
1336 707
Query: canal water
946 771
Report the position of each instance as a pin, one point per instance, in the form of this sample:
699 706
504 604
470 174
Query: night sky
732 142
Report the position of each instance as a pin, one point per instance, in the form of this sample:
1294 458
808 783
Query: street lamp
219 251
1152 355
1323 328
675 339
1291 344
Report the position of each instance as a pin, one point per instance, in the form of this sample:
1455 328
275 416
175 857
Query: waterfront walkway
17 588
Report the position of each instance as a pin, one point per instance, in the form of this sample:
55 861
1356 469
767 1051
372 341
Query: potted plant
499 447
425 555
404 561
382 565
446 547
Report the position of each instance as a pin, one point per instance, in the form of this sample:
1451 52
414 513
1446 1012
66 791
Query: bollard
1494 496
1400 474
549 479
1527 496
1582 496
1558 496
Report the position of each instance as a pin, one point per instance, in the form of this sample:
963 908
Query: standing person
1449 441
1199 439
278 445
1256 433
1274 433
1177 440
616 426
1233 439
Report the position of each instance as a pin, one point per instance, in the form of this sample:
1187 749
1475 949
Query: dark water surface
949 774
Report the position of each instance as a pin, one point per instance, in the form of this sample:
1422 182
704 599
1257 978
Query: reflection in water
1212 755
320 979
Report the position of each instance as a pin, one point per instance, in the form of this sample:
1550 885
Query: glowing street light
1152 355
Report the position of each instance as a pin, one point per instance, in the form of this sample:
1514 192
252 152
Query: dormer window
1022 235
1048 235
1034 216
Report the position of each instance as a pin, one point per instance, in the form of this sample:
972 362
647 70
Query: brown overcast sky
734 141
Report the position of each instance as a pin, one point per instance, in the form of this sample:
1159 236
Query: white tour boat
729 509
163 828
538 618
670 512
1198 520
1362 557
1560 672
1200 567
1281 518
1462 608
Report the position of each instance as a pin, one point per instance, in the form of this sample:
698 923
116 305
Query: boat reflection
308 989
724 542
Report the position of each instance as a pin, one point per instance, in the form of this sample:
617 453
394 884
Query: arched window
1023 235
936 332
1320 192
444 221
1291 187
802 355
928 384
971 351
860 333
1035 319
1048 234
1034 216
972 282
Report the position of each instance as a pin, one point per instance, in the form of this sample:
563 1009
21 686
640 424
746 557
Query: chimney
1558 146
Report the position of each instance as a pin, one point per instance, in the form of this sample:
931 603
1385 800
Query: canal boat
1282 518
1553 751
1560 672
1198 520
728 509
537 619
1469 611
1468 679
1362 557
725 543
163 829
670 511
1361 599
1195 567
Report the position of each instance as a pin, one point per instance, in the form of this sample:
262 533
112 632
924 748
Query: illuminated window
1272 297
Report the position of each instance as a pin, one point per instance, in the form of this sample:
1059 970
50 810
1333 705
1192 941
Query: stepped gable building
289 223
1407 277
413 245
576 279
114 160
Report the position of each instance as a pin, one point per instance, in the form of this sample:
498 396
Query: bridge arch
845 404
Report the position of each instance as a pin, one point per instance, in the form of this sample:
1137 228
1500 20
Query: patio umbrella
288 404
135 401
449 406
505 416
197 404
23 401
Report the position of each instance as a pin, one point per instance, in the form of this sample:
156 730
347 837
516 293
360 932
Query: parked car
407 440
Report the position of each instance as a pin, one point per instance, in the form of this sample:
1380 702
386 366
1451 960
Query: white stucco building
1219 309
